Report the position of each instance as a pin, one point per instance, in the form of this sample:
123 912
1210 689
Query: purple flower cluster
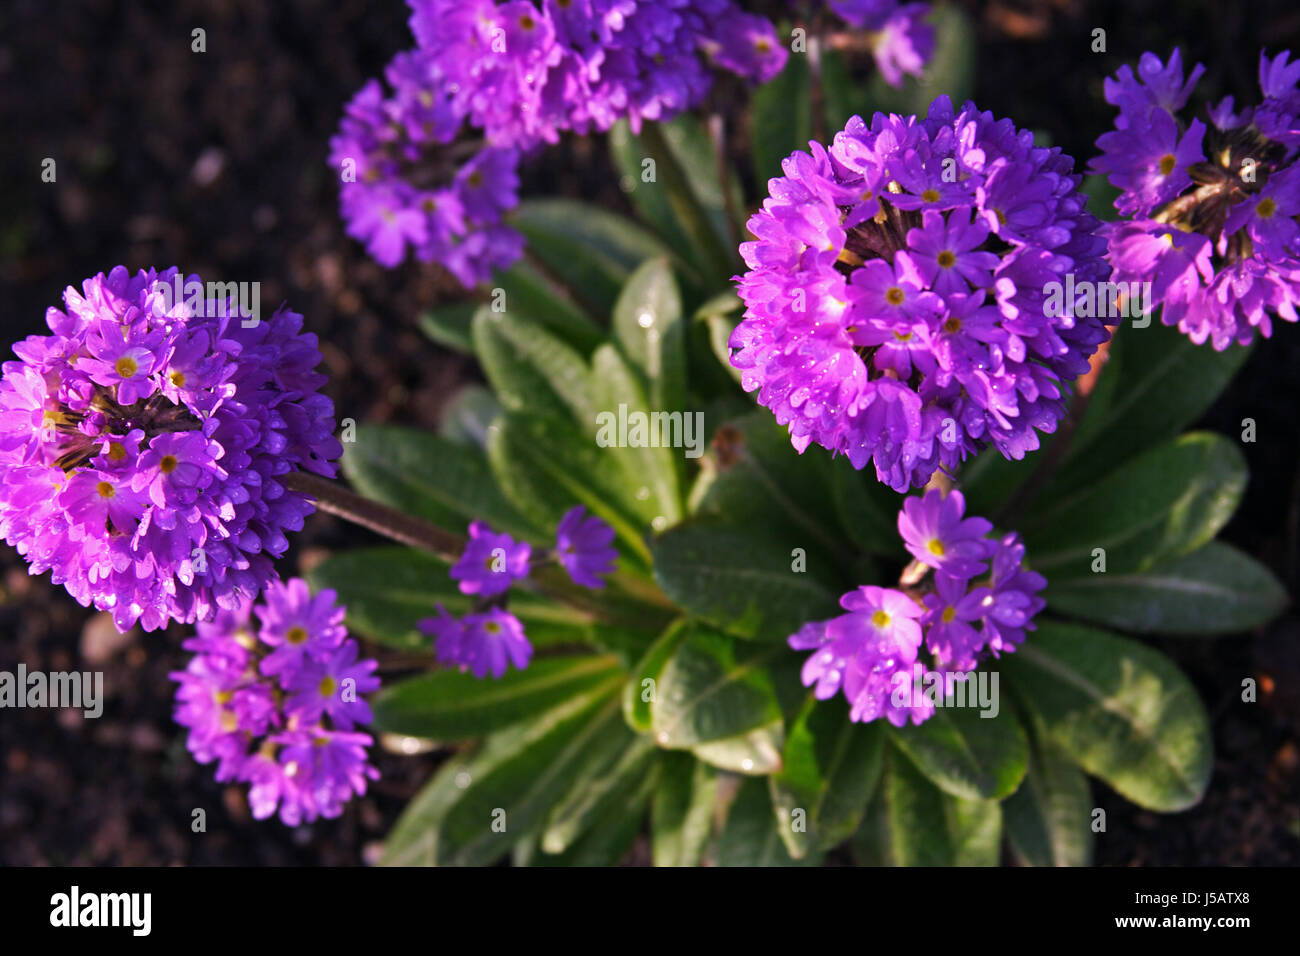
896 292
144 446
868 651
902 42
430 167
1214 210
406 187
525 72
488 640
276 706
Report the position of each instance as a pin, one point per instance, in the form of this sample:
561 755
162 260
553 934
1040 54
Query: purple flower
862 651
491 562
145 443
299 754
935 533
516 75
298 626
952 612
484 643
895 293
893 651
902 42
1216 227
408 189
583 547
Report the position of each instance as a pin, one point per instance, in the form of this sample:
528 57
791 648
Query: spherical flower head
1216 210
583 546
487 644
300 752
145 445
896 288
934 531
491 562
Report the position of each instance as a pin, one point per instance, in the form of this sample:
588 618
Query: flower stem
333 498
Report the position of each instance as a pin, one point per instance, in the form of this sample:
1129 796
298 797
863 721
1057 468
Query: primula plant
822 505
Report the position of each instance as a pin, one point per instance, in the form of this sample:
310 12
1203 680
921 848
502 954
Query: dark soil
216 162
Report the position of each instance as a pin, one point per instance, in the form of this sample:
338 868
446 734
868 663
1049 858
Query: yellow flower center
177 379
1266 208
105 489
948 614
229 722
168 464
935 547
880 619
930 195
952 324
223 696
328 685
1167 164
127 366
894 295
116 451
947 259
296 635
492 627
902 336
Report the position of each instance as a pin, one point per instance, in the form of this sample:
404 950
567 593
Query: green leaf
713 687
740 579
546 466
830 768
611 829
442 481
590 250
648 327
523 771
1120 710
750 476
387 590
449 325
681 816
466 418
965 754
616 767
530 369
781 116
1214 589
536 297
455 705
1165 503
755 753
637 695
1165 383
691 149
651 464
913 823
1048 819
867 509
750 836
